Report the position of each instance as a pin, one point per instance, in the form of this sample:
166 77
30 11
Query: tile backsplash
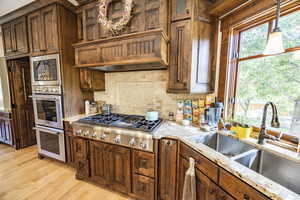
136 92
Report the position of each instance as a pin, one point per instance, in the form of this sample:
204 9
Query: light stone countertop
77 117
264 185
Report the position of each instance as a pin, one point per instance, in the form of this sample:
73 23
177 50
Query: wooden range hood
142 46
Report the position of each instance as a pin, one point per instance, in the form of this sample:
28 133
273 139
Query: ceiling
7 6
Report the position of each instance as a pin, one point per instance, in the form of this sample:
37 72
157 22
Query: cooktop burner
133 122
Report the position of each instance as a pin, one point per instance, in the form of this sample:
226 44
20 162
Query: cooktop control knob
143 145
94 135
78 132
103 136
131 142
86 133
117 139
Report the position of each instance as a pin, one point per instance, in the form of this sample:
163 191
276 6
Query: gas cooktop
133 122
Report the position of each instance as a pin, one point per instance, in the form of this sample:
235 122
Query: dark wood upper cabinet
181 9
191 51
43 31
92 80
15 37
167 169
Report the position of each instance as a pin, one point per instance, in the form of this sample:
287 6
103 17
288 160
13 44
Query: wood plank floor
24 176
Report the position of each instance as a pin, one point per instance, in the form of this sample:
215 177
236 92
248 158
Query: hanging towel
189 188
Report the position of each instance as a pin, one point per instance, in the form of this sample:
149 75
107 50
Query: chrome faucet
274 123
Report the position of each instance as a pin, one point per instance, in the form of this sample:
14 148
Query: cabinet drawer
203 164
238 189
143 163
143 187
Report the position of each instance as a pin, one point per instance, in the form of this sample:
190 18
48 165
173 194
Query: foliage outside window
269 78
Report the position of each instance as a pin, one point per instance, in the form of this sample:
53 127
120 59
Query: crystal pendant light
275 42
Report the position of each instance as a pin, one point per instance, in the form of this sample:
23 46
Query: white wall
4 84
6 6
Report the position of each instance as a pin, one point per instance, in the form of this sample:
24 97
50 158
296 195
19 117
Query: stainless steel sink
277 168
280 170
234 149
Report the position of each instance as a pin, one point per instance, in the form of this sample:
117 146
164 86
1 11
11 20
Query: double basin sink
281 170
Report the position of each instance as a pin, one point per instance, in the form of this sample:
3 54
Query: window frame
234 60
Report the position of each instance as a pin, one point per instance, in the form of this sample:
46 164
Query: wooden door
49 39
19 30
35 32
7 39
101 156
180 57
167 169
22 108
120 169
181 9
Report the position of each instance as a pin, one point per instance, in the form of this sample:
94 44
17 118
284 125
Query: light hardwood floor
24 176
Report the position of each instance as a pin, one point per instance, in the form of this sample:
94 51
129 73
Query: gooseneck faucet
274 123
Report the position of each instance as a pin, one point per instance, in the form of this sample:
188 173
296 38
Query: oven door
48 110
51 142
45 70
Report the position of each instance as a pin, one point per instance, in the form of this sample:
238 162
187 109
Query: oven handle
45 98
48 130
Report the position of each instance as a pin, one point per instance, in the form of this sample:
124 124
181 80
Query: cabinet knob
246 197
187 11
117 139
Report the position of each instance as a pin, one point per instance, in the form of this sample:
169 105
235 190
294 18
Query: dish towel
189 188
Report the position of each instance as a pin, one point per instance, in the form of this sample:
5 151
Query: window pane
253 41
276 79
290 27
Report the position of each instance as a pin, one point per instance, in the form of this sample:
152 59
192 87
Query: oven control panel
46 90
132 139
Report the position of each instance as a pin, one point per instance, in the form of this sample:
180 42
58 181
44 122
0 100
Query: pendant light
275 42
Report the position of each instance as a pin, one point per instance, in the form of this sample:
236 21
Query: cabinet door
120 169
70 149
91 28
92 80
143 163
167 169
81 157
49 38
20 35
35 32
205 188
7 39
180 57
101 156
143 187
181 9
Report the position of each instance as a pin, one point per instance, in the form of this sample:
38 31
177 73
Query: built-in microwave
51 142
48 110
45 70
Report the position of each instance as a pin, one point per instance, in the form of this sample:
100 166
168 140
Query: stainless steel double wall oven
48 106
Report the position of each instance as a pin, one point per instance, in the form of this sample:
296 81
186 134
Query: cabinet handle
187 11
168 143
246 197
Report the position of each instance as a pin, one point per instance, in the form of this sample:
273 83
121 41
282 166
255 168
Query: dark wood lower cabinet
143 187
205 188
168 150
5 129
81 158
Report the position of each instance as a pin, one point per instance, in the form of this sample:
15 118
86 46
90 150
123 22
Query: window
275 78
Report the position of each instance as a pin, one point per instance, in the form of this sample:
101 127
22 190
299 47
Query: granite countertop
5 110
266 186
